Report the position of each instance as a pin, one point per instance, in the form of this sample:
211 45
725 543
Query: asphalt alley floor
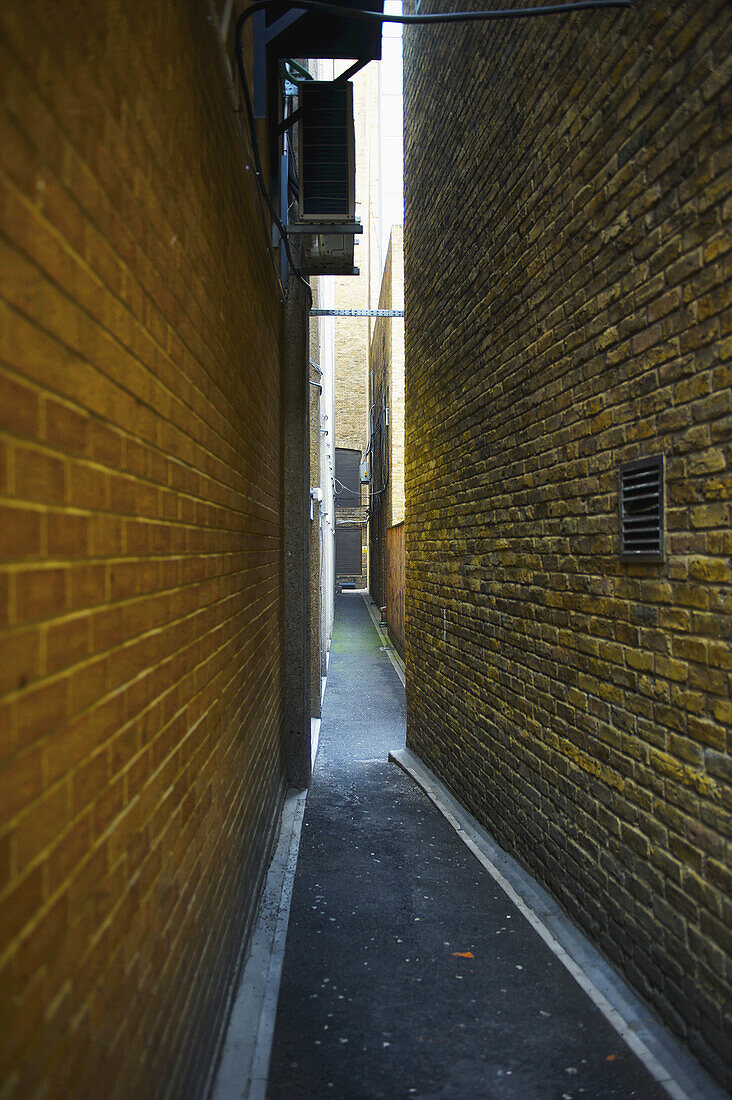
408 973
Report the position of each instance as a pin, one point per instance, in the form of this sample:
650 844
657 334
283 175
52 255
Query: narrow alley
365 550
408 972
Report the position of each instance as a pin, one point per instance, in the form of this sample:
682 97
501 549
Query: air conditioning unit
326 223
327 152
327 253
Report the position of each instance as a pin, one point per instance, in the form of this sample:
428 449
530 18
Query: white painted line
244 1066
397 662
316 722
662 1055
314 740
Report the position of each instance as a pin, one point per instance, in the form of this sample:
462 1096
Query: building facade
567 295
387 429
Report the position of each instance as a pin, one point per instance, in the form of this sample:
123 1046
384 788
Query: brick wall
386 365
140 548
567 294
395 563
396 380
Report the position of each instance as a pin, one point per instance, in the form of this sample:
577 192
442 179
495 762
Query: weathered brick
40 711
565 313
386 366
141 536
22 662
19 408
66 428
20 532
41 593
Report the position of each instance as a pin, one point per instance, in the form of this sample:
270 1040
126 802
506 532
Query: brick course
140 548
567 293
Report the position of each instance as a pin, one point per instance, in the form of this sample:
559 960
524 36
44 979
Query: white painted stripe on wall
244 1067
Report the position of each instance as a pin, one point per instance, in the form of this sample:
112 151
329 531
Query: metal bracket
289 121
263 36
312 228
295 116
281 24
355 68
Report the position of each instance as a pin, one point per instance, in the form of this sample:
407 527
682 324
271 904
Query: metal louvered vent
641 510
348 478
327 158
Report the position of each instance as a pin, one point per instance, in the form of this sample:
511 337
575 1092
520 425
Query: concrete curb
663 1056
399 667
244 1066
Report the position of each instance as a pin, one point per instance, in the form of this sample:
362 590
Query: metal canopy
284 30
315 34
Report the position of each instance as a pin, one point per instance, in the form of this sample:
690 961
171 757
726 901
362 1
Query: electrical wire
366 16
379 450
345 488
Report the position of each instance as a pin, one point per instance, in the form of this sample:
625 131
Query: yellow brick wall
386 364
567 247
396 379
140 547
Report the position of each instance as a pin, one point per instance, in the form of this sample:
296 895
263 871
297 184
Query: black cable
293 181
438 17
344 488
